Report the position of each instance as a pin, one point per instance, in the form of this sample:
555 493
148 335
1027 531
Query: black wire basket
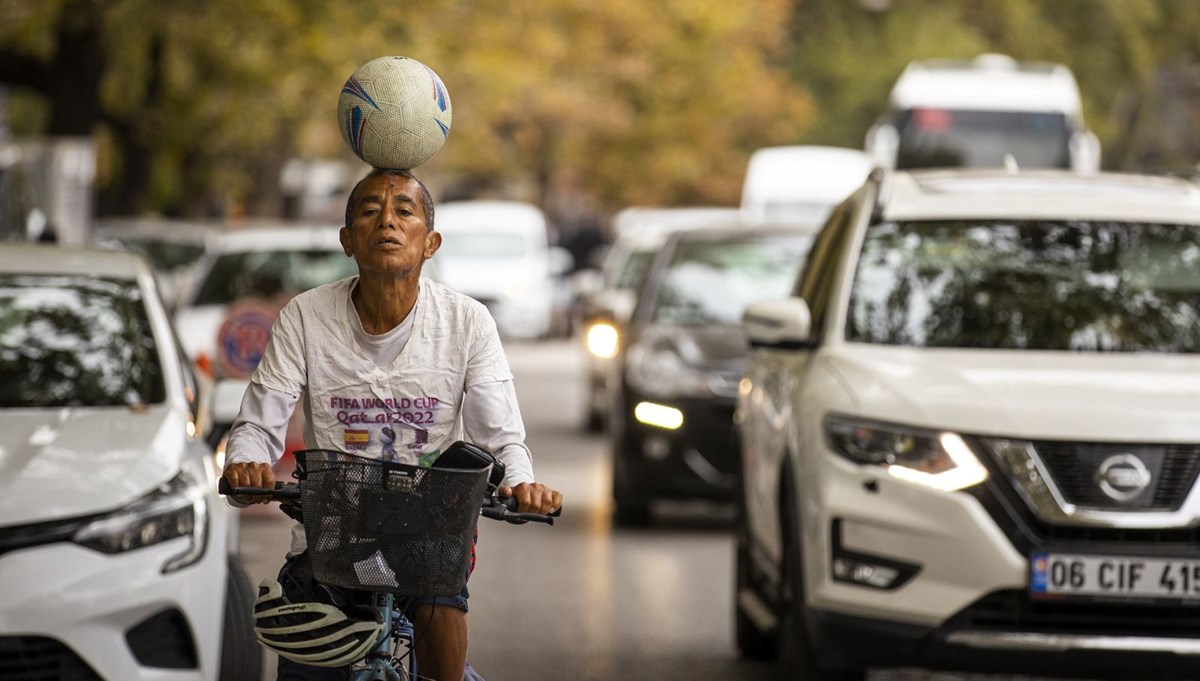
379 526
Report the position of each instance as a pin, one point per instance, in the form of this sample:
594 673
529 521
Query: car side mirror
561 261
1084 148
784 323
882 144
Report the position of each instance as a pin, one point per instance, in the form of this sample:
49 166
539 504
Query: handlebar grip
282 490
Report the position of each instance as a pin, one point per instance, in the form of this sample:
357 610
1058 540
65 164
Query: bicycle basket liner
379 526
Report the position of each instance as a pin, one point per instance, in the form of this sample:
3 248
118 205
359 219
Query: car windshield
633 270
798 212
164 255
75 341
266 274
484 244
710 281
931 138
1037 285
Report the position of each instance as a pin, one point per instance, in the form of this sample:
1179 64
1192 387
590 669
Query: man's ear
344 237
433 241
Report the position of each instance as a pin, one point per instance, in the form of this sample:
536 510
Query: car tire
594 421
631 505
241 656
798 659
752 642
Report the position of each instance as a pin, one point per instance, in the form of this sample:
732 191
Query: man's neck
382 303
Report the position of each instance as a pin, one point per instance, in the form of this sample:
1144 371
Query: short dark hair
425 198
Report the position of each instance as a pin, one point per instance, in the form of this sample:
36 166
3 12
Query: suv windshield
935 138
75 341
1038 285
266 274
710 281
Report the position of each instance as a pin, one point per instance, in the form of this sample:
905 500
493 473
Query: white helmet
314 633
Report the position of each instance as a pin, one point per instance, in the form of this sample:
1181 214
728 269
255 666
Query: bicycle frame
381 665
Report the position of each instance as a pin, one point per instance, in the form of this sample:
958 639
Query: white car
800 183
225 320
117 557
971 436
499 253
989 111
173 248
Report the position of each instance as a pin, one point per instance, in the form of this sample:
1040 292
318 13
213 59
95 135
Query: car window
710 281
485 244
931 138
1042 285
266 274
815 284
75 340
633 270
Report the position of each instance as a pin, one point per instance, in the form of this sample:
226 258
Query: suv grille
1013 610
1073 468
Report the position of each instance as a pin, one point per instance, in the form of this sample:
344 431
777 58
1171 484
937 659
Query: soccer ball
394 112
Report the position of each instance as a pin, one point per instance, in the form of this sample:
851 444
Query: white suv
971 436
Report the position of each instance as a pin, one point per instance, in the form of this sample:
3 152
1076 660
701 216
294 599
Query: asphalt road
582 600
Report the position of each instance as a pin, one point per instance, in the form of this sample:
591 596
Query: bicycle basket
379 526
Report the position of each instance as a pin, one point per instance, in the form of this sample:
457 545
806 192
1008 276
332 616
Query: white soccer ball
394 112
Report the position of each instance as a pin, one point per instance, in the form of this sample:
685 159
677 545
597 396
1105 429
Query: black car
682 359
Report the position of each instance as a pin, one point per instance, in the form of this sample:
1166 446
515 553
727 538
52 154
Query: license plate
1070 574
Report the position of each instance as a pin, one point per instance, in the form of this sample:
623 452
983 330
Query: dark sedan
682 360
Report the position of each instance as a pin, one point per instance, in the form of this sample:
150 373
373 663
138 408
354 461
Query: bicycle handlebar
496 508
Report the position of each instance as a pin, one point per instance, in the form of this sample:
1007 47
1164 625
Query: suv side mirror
882 144
784 323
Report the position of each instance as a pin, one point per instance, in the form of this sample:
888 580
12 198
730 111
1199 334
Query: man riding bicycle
391 366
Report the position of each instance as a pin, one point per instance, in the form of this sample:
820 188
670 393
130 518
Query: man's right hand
250 475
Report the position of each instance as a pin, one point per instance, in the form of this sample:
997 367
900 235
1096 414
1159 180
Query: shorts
295 577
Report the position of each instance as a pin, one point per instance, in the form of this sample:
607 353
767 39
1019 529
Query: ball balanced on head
394 112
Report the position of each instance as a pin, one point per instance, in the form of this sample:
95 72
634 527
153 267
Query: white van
800 184
499 253
991 111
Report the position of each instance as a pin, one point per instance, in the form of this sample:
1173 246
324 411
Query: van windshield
934 138
1076 285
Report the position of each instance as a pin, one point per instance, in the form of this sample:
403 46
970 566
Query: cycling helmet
315 633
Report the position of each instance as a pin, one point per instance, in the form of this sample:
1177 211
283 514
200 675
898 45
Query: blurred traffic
919 345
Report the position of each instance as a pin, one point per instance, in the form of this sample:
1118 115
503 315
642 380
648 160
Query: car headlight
603 340
938 459
659 371
175 509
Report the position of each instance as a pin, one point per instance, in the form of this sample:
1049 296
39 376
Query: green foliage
620 102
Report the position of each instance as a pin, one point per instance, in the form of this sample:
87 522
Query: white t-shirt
449 380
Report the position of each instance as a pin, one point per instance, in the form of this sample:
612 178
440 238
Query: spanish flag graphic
358 438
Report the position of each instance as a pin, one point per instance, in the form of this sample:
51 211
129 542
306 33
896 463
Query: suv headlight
659 371
938 459
176 509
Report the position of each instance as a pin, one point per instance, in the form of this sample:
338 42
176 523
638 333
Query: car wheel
797 657
241 656
594 421
752 642
632 506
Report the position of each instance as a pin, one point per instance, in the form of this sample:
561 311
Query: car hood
1027 394
716 348
62 463
487 278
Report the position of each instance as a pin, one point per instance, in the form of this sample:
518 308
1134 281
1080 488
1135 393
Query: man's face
387 232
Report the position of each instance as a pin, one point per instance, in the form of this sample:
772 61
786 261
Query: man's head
389 225
426 199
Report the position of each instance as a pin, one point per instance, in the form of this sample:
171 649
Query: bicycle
378 530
